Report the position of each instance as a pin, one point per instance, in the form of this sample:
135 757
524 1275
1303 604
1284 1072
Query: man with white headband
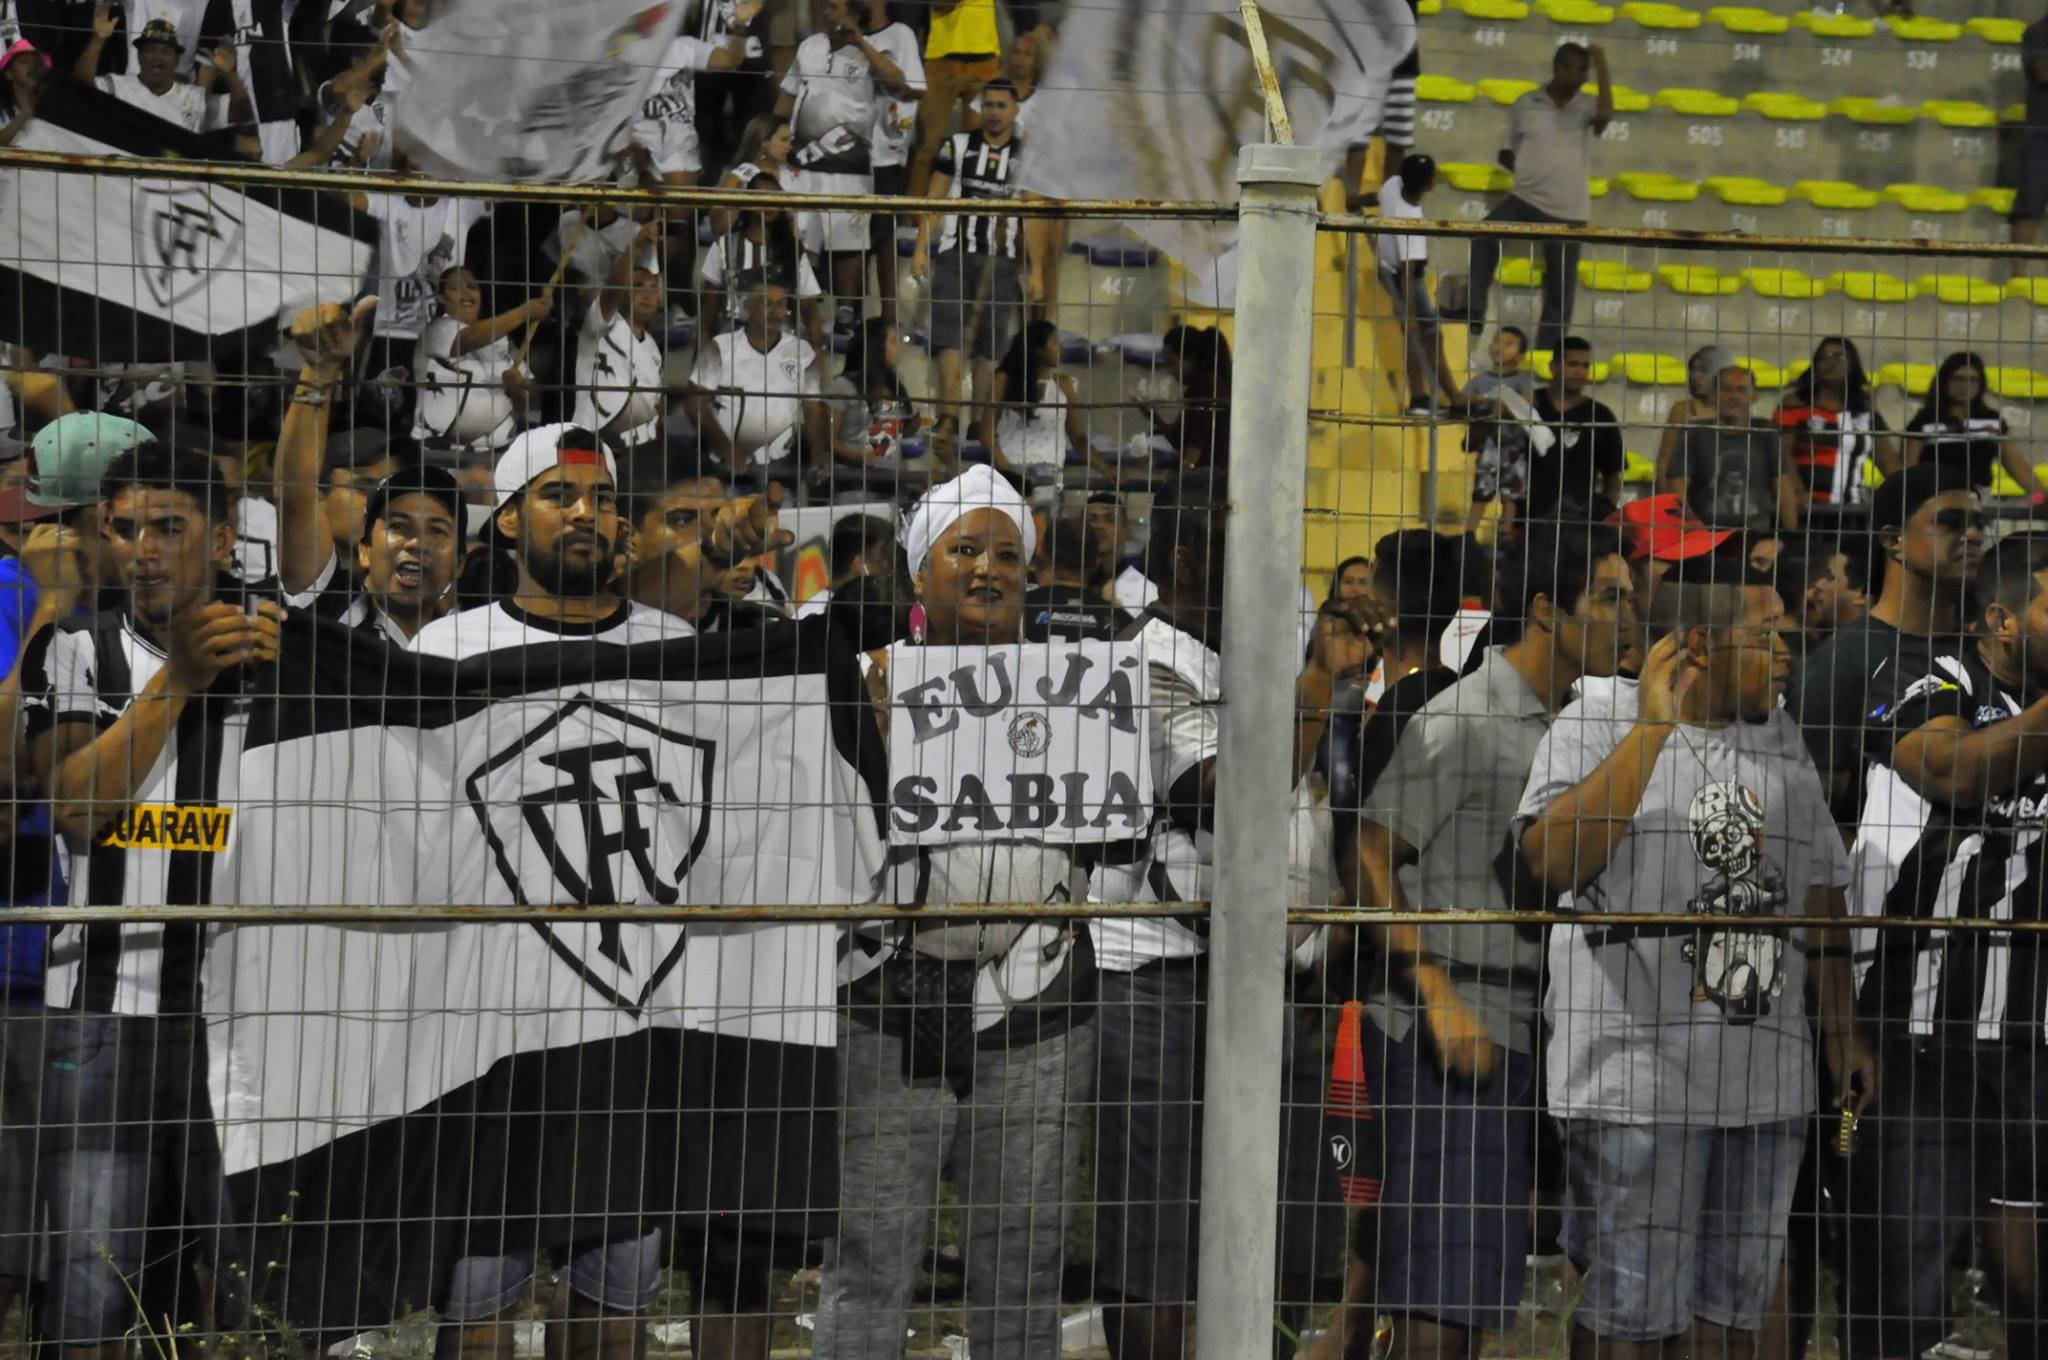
997 1065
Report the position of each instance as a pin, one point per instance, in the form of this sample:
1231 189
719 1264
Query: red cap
1657 527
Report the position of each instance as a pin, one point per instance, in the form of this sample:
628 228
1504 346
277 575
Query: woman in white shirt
1041 416
618 361
470 391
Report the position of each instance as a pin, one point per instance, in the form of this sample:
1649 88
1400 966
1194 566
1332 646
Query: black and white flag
120 270
385 1093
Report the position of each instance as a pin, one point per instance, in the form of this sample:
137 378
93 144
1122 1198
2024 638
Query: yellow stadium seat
2017 384
1586 13
1435 89
1766 373
1626 100
1745 191
1612 276
1796 370
2005 32
1920 29
1835 25
1505 90
1872 475
1653 14
1471 177
1657 187
1835 195
1520 271
1912 379
1998 199
1926 198
1859 109
1785 108
1596 187
2002 483
1637 470
1793 284
1430 7
1698 280
1748 20
1539 364
1644 369
1864 285
1691 103
2013 113
2028 288
1959 290
1958 113
1492 9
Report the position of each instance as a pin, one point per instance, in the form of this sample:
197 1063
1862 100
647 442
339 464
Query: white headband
981 487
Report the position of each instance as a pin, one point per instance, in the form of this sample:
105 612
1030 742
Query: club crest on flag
595 804
182 237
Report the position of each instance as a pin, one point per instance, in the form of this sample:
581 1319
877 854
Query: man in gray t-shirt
1450 1048
1680 1058
1550 151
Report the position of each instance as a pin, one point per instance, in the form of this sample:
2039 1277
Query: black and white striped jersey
974 169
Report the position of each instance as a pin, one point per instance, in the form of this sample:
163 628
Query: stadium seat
1920 28
1958 113
1641 368
1656 15
1626 99
1766 373
2016 384
2002 483
1863 285
1744 191
1075 349
1577 13
1835 195
1520 271
1471 177
1926 198
1435 89
1748 20
1596 187
1875 112
1505 90
1430 8
1698 280
1135 348
1509 10
1824 25
2004 32
1785 108
1115 252
1912 379
1612 276
1637 470
1657 187
2013 113
1959 290
1539 364
1790 284
1692 103
1995 197
2028 289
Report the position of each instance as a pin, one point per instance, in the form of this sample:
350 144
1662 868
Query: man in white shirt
154 87
1404 272
759 403
895 124
1550 152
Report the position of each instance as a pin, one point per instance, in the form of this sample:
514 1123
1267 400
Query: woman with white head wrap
988 1074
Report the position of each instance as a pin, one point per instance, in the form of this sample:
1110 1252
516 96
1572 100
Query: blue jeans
622 1277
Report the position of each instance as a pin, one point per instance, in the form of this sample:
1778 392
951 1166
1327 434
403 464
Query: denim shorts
1670 1223
622 1277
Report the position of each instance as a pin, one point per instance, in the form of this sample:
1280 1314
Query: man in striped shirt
978 276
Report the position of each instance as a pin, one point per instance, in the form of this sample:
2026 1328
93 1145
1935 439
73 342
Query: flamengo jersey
1970 862
974 169
165 848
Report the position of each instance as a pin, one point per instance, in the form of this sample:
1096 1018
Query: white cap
981 487
540 449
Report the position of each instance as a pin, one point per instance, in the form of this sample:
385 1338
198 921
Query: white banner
531 89
1041 743
1153 98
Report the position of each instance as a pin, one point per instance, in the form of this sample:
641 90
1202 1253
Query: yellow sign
170 826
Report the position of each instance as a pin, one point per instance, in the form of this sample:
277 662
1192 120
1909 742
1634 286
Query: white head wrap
981 487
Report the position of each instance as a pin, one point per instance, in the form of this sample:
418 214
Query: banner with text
1039 743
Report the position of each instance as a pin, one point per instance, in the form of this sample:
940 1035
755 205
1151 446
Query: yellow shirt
967 29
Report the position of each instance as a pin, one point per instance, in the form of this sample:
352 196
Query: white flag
530 89
1171 83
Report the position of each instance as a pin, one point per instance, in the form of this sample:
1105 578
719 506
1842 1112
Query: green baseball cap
67 460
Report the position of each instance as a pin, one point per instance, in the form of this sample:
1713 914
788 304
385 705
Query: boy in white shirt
1404 272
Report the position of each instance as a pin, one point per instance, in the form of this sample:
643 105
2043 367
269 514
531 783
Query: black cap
160 31
418 481
1910 488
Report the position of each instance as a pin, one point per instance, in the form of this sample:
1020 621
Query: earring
917 623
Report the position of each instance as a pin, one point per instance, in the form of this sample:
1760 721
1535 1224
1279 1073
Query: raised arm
1603 113
87 67
328 335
